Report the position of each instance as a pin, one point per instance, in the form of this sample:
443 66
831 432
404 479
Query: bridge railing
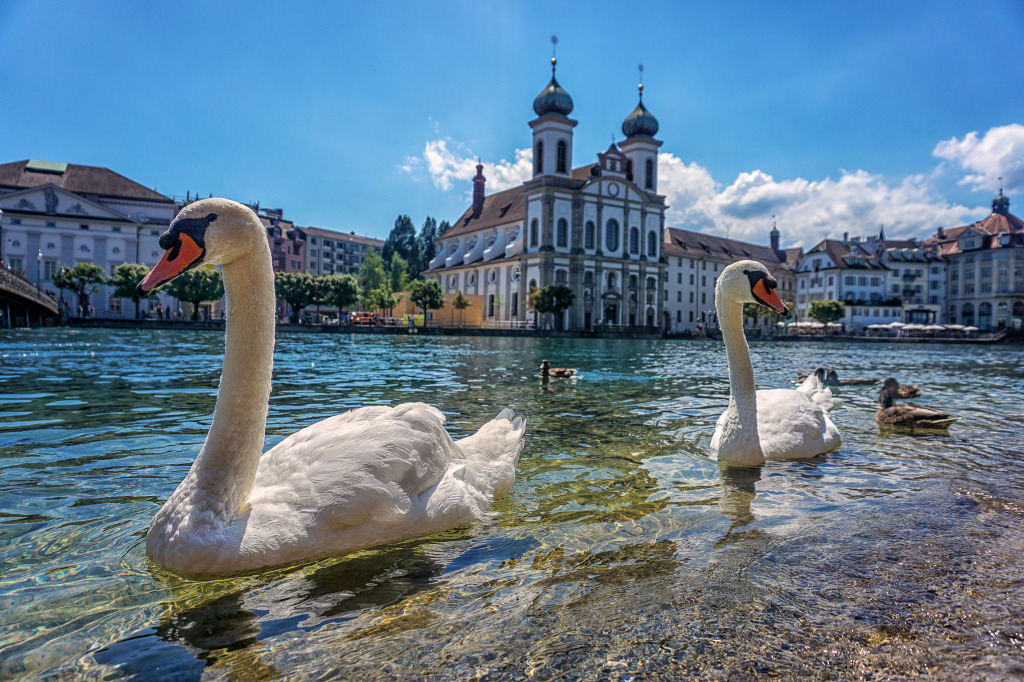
15 284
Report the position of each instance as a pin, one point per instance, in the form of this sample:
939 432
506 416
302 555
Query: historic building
58 214
598 228
694 261
985 261
329 252
845 270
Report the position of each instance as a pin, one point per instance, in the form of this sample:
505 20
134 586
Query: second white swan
782 423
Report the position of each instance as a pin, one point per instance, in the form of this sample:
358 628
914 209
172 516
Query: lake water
622 551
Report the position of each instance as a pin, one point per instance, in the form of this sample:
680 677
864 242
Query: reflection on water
622 550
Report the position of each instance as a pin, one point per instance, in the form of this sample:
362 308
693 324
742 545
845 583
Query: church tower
640 147
552 129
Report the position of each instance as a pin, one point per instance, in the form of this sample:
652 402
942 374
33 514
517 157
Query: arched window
588 235
634 240
563 230
533 232
652 244
629 169
967 319
649 174
632 281
588 277
538 158
561 277
562 156
985 316
612 235
650 283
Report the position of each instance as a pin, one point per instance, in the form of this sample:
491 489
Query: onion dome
553 99
641 121
1001 204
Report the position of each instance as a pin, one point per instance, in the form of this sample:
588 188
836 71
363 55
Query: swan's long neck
226 466
740 443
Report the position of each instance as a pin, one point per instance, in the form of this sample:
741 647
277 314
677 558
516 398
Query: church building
597 229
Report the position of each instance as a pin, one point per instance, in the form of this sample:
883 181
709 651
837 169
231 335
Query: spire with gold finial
640 121
553 99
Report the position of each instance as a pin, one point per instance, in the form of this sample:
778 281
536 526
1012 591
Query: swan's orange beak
769 298
177 259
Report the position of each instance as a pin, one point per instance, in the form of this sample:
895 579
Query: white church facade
598 229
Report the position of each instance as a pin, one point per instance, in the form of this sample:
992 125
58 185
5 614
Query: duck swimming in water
891 414
546 370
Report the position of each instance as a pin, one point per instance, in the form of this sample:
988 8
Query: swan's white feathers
793 425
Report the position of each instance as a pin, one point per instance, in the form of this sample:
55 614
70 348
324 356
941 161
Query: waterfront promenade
605 332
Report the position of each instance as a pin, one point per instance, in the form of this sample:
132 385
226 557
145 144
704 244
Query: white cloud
445 167
999 153
805 210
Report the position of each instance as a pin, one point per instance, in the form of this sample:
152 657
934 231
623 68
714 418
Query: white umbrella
971 329
896 325
913 327
935 328
954 327
878 326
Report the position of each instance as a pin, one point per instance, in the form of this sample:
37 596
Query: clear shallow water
621 552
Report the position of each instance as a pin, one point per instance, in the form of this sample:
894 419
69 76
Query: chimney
940 233
846 237
478 189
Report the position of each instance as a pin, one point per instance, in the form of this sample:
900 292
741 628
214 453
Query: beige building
985 261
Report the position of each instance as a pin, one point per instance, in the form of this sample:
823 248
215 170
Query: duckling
832 379
907 415
546 370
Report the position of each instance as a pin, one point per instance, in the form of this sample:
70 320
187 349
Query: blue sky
832 116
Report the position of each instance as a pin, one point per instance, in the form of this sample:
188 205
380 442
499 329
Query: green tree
827 310
552 299
428 250
82 280
197 285
402 240
426 295
371 273
297 289
340 291
443 227
460 303
398 273
125 280
384 299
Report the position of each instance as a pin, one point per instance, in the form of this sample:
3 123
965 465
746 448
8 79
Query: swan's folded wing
359 468
791 425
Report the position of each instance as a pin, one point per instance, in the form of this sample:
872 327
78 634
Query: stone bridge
23 303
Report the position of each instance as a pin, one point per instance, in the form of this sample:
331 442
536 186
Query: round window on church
492 275
452 281
471 279
515 274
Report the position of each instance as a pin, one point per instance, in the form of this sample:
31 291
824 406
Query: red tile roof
79 179
992 226
687 243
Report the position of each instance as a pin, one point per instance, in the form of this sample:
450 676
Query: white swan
782 423
362 478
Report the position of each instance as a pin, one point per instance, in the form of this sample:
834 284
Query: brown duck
892 414
546 370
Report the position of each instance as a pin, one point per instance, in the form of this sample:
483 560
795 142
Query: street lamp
39 268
